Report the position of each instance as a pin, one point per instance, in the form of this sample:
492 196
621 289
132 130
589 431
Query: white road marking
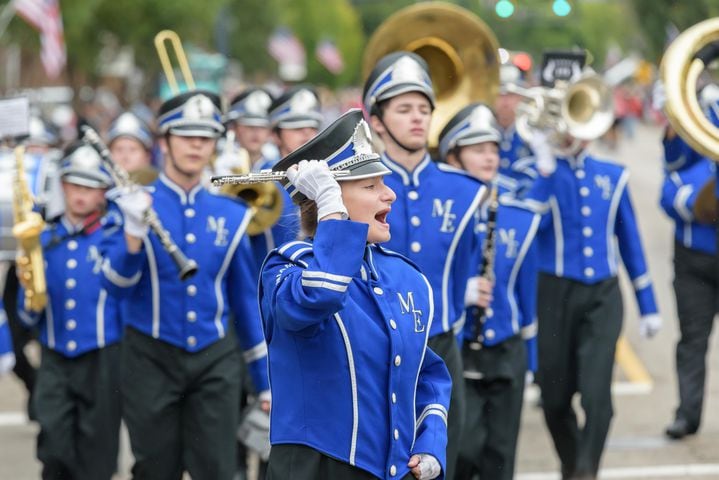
654 471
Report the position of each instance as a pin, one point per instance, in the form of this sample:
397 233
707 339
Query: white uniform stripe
223 269
558 238
450 255
116 278
430 318
353 382
530 331
611 220
323 284
326 276
100 318
680 202
255 353
642 282
154 287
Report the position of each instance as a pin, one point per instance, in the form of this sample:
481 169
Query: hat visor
296 123
402 88
374 168
253 121
194 131
84 181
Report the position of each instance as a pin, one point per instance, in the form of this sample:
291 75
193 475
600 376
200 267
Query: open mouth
381 216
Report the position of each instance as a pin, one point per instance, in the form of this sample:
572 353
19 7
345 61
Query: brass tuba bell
459 48
582 109
683 62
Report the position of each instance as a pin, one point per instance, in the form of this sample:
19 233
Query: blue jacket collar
408 178
186 198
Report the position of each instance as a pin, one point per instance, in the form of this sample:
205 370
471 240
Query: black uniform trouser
697 291
180 408
494 410
445 345
299 462
579 326
21 335
78 408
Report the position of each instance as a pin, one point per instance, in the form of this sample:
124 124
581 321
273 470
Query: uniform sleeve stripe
529 331
432 409
324 284
26 318
255 353
300 252
680 202
642 282
287 246
117 279
326 276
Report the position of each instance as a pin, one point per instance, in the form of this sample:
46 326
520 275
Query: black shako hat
251 107
197 113
345 145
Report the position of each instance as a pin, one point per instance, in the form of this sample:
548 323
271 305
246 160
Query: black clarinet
186 266
486 269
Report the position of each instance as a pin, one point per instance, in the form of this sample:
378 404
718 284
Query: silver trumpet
261 177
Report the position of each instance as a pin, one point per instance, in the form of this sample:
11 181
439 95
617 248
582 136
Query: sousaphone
683 62
460 49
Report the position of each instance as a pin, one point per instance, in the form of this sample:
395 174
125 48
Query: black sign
561 65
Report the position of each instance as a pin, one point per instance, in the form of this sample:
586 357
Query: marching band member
356 392
42 158
130 142
76 400
499 347
248 117
7 355
181 373
696 287
435 211
579 301
516 158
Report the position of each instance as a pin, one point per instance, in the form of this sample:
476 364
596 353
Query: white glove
429 467
659 96
528 377
545 159
649 325
471 295
134 203
7 363
314 179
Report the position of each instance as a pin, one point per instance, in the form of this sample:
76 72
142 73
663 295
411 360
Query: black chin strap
394 139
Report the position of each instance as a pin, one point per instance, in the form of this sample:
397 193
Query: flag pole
8 12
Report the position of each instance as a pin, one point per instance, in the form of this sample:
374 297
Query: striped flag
45 17
285 47
329 55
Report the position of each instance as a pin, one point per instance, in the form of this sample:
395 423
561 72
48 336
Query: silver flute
261 177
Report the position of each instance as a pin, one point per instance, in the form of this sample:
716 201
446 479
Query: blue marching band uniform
76 395
333 308
695 283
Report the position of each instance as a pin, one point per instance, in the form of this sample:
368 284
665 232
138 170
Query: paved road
637 448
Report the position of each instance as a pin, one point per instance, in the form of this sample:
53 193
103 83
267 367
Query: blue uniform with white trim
347 326
679 193
513 309
80 316
285 230
516 160
590 224
192 314
432 223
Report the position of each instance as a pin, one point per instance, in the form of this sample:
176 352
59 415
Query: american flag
44 16
285 47
329 55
